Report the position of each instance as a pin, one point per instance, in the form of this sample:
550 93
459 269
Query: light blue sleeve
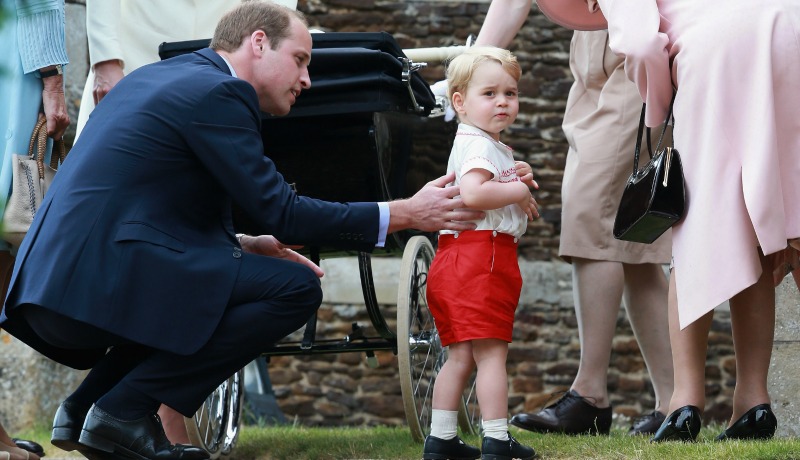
41 33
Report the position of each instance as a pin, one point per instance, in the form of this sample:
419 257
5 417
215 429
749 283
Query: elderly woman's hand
55 105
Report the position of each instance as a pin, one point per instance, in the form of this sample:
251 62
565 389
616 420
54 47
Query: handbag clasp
668 159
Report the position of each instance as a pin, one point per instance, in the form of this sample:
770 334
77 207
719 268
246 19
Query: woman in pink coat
734 64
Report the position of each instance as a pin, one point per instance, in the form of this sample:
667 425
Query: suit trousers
271 299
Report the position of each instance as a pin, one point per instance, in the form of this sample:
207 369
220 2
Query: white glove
439 89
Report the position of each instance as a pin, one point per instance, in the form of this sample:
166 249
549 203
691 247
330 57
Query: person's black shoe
647 424
757 423
495 449
141 439
571 414
452 449
681 425
31 446
67 425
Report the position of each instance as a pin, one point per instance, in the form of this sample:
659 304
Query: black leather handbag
654 197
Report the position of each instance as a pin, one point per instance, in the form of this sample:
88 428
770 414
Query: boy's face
490 102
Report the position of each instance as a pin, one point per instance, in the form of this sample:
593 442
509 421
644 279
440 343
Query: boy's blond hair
460 69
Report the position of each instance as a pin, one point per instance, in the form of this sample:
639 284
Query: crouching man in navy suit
132 268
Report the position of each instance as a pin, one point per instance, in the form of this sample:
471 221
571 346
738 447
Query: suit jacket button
237 253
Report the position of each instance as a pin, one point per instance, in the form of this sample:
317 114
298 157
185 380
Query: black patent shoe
495 449
31 446
681 425
140 439
647 424
757 423
448 449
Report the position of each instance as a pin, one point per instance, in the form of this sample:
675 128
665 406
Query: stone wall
341 389
543 359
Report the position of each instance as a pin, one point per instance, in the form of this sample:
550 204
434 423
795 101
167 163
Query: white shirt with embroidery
474 149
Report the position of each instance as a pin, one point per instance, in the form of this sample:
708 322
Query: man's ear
457 102
259 41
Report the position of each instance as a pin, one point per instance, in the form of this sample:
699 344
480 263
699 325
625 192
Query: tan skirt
600 124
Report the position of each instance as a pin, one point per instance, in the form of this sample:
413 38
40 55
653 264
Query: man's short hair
252 15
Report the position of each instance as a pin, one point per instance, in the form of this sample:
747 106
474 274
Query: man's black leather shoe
141 439
452 449
67 425
495 449
571 414
647 424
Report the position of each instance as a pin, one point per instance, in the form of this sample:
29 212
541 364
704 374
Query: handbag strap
38 144
638 148
37 147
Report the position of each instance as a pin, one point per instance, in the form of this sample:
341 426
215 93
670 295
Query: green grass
300 443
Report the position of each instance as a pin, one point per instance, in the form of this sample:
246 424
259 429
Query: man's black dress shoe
67 425
571 414
30 446
453 449
757 423
681 425
495 449
647 424
141 439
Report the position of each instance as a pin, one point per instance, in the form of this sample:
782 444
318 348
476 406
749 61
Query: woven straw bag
30 180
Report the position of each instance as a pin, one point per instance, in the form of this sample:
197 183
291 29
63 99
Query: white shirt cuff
384 224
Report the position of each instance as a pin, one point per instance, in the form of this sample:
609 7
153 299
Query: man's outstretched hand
267 245
435 207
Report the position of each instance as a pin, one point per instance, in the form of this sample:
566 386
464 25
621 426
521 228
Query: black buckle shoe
757 423
495 449
681 425
571 414
452 449
647 424
141 439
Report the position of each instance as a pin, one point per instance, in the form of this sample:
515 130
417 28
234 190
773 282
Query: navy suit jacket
135 235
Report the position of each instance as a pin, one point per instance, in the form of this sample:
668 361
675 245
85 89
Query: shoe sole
446 457
591 432
104 449
505 457
68 445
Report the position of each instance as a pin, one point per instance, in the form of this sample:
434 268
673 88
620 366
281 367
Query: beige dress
600 124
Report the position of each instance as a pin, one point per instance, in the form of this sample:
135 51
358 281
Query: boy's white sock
444 423
497 429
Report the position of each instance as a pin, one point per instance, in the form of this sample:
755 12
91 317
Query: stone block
32 385
784 371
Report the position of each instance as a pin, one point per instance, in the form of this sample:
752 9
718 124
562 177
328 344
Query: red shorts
474 285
